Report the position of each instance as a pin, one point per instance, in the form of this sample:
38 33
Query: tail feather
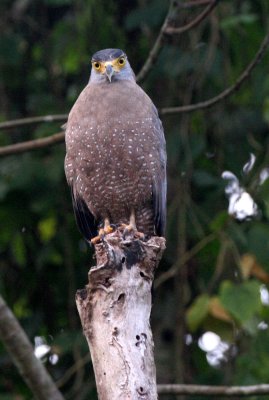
86 222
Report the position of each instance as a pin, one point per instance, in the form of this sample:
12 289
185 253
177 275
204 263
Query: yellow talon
96 239
102 232
108 229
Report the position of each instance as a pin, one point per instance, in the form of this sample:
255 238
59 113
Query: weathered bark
114 310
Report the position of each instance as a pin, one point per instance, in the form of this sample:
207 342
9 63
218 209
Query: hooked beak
109 71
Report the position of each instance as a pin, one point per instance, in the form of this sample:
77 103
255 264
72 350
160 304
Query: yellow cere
117 64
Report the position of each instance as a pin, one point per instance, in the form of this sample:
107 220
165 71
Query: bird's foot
101 234
131 230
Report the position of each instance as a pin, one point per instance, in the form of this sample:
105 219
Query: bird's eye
97 66
121 61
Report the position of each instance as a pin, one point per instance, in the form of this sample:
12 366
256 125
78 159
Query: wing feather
160 188
86 222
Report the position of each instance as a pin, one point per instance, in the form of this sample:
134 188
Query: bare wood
170 30
223 391
155 50
20 349
114 309
188 255
194 3
33 120
31 144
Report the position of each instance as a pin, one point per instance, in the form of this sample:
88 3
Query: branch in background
20 349
59 137
227 92
166 30
154 52
192 24
214 390
183 260
33 120
194 3
32 144
72 370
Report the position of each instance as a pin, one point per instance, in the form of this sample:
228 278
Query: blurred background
211 302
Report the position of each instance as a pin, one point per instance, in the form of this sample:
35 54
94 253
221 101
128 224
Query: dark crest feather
107 54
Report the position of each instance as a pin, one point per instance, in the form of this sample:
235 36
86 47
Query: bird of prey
115 159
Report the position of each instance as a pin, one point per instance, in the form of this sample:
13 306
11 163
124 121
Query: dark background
219 265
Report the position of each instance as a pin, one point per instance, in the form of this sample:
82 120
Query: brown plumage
116 160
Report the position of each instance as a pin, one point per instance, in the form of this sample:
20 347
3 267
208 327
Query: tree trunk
114 309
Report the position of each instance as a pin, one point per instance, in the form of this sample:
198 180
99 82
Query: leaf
197 312
18 248
219 221
250 267
241 300
222 328
20 308
217 310
47 228
258 242
246 264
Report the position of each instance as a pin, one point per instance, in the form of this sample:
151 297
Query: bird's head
110 65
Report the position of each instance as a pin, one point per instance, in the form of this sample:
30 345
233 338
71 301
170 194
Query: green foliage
45 49
243 300
266 110
197 313
258 242
236 21
47 228
151 15
253 364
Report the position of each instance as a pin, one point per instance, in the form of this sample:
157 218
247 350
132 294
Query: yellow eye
97 65
121 61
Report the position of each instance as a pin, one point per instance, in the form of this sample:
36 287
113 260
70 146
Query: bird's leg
107 227
103 231
132 227
132 224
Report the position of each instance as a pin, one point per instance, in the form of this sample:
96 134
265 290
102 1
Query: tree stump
114 309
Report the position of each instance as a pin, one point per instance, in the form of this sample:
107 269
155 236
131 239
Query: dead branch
224 391
192 24
154 52
227 92
187 256
194 3
114 309
167 30
21 351
32 120
32 144
72 370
